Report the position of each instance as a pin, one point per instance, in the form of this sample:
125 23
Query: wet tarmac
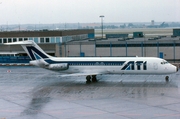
33 93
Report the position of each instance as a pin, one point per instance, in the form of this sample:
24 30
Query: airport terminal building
48 40
82 42
46 36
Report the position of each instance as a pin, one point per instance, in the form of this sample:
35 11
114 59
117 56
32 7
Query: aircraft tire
167 78
88 79
94 79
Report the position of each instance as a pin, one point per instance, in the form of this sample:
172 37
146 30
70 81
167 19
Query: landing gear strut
167 79
90 79
94 78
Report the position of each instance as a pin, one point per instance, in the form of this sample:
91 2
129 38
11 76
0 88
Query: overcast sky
87 11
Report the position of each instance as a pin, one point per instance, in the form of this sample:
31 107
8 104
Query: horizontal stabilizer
20 43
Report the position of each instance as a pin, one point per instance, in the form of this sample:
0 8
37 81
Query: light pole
144 45
102 16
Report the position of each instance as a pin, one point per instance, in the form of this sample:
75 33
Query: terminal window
57 39
9 40
0 40
52 39
14 39
20 39
4 40
41 40
47 40
30 38
36 39
25 39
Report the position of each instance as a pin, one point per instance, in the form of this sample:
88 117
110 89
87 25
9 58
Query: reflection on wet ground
30 92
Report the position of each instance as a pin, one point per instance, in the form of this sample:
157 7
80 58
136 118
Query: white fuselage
112 65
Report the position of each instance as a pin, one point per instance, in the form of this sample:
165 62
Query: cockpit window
164 62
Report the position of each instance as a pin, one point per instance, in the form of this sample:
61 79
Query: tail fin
32 49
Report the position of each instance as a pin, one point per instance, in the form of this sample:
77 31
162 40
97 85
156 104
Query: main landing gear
167 79
90 79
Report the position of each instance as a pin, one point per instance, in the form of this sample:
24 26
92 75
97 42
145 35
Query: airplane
92 66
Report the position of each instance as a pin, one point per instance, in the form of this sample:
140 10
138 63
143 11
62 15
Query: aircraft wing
80 74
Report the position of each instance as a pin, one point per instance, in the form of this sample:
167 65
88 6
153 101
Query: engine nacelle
58 67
